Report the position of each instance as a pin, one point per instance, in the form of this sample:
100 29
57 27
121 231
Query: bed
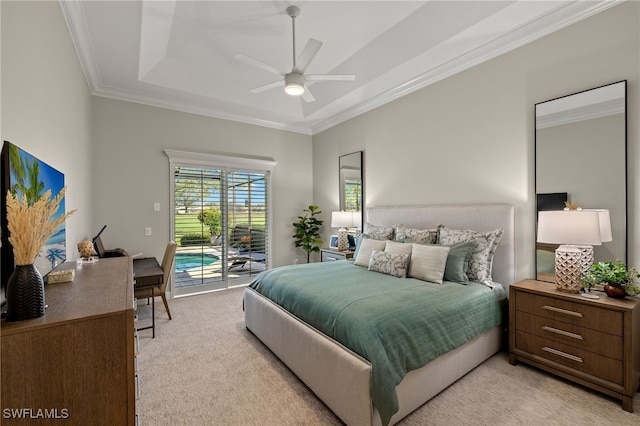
345 380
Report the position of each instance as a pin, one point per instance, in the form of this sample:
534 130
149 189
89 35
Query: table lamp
342 220
576 231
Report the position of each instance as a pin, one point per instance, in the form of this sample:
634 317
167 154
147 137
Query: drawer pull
562 354
137 387
331 258
562 311
562 332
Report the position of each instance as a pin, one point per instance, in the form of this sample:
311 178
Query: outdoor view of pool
187 261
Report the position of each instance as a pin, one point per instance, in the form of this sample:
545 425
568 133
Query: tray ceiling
180 54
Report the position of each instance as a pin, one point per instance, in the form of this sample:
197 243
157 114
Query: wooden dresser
595 343
74 365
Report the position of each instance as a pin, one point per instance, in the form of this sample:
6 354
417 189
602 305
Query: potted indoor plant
307 233
616 278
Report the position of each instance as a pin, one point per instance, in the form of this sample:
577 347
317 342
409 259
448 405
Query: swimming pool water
186 261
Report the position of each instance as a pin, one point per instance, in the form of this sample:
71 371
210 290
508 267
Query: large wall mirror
351 184
580 155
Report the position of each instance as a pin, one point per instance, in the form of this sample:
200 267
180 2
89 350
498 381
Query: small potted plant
615 276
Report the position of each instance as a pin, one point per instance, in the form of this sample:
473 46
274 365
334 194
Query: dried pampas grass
30 226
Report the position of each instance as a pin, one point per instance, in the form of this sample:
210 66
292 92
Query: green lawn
189 223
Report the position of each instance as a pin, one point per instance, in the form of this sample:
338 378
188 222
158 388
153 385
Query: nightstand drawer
593 317
331 255
584 338
577 359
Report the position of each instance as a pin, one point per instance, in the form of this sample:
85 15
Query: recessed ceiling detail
182 55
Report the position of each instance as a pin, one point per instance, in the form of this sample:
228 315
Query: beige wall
469 138
46 104
132 171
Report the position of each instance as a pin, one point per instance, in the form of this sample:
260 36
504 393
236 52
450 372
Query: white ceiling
180 54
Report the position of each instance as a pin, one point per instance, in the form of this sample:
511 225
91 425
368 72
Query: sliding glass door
220 223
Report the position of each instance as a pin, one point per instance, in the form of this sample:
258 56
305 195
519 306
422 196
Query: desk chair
166 266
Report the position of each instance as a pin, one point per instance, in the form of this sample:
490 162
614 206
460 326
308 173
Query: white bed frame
340 377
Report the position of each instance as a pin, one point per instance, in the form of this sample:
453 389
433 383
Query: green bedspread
397 324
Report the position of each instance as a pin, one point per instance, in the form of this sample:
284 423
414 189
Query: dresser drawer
592 317
605 344
577 359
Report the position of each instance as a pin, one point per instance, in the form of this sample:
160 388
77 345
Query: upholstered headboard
478 217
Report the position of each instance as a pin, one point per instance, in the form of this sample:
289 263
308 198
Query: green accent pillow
458 262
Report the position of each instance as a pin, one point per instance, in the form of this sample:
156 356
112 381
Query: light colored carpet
205 368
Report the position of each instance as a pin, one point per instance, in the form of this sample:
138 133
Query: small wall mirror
351 183
580 154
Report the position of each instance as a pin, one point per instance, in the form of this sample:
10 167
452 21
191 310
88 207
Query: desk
148 277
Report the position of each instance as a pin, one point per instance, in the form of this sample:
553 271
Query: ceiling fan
294 81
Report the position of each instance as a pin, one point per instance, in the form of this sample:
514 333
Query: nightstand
329 254
595 343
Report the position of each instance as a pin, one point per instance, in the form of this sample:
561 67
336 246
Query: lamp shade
342 219
605 224
357 220
570 227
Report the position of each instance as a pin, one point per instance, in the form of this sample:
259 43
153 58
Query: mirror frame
584 93
351 162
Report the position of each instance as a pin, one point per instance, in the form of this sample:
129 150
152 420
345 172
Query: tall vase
25 294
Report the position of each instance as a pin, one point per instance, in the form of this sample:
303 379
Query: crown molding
74 17
122 95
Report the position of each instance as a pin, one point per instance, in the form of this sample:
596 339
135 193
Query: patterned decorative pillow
422 236
394 264
428 262
482 256
365 248
378 232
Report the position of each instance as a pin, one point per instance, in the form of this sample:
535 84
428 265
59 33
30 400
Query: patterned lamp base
343 240
568 268
587 258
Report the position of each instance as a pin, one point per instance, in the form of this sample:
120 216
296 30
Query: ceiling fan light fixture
294 89
294 84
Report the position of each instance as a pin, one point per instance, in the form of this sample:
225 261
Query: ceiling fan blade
329 77
252 61
267 86
308 53
307 96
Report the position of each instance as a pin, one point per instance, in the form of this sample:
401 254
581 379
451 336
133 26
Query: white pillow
428 262
394 264
367 246
395 247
